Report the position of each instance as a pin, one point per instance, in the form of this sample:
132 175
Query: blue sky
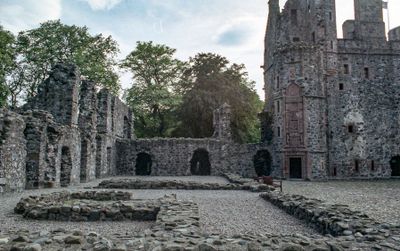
233 28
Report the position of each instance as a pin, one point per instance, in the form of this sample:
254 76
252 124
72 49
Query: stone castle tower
334 102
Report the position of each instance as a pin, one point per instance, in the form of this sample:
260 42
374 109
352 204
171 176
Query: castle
332 111
334 103
72 133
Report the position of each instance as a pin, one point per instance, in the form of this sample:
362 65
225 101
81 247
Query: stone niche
12 152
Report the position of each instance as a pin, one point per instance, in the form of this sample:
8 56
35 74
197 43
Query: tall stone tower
300 53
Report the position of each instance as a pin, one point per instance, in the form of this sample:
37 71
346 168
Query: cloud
232 37
102 4
26 14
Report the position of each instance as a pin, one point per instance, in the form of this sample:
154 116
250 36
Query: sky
232 28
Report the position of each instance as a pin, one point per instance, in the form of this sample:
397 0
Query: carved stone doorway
295 168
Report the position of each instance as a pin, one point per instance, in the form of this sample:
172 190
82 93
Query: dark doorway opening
200 163
143 164
395 166
295 168
84 160
66 167
262 163
98 157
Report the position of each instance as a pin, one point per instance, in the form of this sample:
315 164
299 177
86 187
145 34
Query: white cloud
102 4
26 14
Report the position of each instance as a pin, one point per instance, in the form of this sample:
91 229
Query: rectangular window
277 82
372 165
296 39
278 106
313 37
366 73
331 45
346 69
357 165
341 86
293 16
350 128
278 131
330 16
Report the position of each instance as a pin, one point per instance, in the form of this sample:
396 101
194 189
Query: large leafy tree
156 92
53 42
7 62
213 81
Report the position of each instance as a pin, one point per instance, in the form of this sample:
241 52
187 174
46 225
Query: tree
53 42
155 92
213 81
7 62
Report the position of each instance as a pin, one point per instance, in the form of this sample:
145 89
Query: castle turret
368 23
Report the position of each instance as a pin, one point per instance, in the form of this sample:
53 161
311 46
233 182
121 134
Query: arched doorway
66 167
262 163
200 163
395 166
143 164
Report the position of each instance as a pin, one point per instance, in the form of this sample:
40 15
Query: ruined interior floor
221 212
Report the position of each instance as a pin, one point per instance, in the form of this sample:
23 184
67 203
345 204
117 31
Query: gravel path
378 199
222 212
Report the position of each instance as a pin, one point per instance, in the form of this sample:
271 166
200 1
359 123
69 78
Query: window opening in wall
278 106
341 86
330 16
372 165
277 82
279 131
296 39
366 72
332 45
346 69
293 15
350 128
313 37
334 171
357 165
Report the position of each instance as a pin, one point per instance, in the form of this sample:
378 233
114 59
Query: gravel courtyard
379 199
222 212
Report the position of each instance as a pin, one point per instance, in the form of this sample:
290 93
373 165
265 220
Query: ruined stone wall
87 125
173 156
12 152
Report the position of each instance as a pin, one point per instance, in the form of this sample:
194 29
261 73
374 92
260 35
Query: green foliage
155 92
213 81
53 42
7 62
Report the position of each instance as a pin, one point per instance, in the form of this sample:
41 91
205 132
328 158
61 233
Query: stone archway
200 163
395 166
66 167
262 163
143 164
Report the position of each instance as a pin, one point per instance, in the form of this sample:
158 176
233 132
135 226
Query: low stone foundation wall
178 227
88 206
338 220
180 185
